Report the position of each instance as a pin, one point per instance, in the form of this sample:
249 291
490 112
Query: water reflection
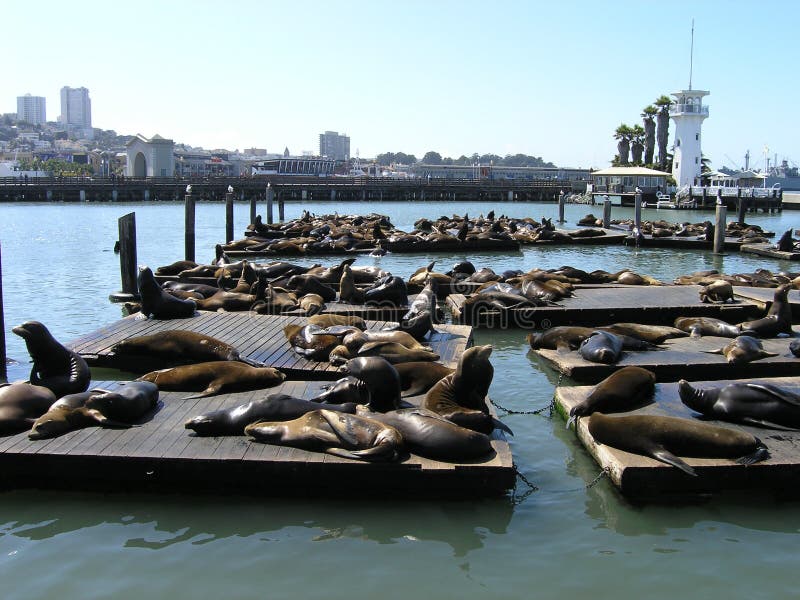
180 519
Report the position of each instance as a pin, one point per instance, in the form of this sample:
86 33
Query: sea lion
621 391
310 341
421 315
766 327
329 320
601 347
308 284
759 404
794 347
176 267
428 434
131 401
654 334
340 434
564 338
742 349
275 407
345 390
662 438
786 243
718 291
179 346
348 292
781 306
64 415
418 377
394 346
21 404
204 290
390 290
330 274
700 326
461 396
211 378
55 367
158 303
312 304
382 379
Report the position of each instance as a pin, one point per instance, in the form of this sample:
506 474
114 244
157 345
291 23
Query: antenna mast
691 57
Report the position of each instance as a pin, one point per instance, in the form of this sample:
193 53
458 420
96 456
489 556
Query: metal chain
517 500
596 480
549 408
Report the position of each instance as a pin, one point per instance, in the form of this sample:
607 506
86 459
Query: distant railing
688 108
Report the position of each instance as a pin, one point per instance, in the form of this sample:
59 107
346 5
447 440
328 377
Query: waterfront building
313 167
688 114
497 172
150 157
31 109
621 183
334 146
76 111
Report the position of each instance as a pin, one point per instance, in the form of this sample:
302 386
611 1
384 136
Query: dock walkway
161 455
642 476
258 337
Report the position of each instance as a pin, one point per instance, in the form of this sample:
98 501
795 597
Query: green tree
648 120
637 144
623 135
432 158
662 129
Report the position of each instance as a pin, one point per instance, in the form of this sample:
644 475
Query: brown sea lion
419 377
428 434
564 338
654 334
275 407
742 349
718 291
662 438
179 346
621 391
158 303
340 434
310 341
345 390
461 396
329 320
211 378
382 379
348 292
21 404
312 304
700 326
55 367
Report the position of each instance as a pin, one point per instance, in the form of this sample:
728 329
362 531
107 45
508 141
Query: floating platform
642 476
612 237
161 455
765 296
687 243
769 251
607 304
683 358
258 337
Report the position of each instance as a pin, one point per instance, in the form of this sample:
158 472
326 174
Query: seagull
188 189
230 189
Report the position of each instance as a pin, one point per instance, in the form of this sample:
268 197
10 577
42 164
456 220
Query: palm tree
623 134
648 119
637 144
662 128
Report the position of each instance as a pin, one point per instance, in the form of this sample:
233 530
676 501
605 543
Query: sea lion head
695 398
37 338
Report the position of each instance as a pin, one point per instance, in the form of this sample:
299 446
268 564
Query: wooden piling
637 215
189 233
561 206
127 259
270 199
606 213
281 216
719 228
253 208
3 368
228 217
741 208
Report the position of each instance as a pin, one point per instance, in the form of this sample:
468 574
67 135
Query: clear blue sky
551 79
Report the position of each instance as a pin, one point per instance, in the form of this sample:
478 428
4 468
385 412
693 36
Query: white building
31 109
688 114
150 157
76 111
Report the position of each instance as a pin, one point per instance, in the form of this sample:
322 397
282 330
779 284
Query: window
697 136
696 160
678 142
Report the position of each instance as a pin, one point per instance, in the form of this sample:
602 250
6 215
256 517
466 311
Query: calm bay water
563 540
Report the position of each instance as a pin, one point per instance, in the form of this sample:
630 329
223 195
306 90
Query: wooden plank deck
259 337
609 304
642 476
161 455
689 243
768 250
684 358
764 297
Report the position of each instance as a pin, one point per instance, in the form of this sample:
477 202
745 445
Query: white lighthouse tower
688 113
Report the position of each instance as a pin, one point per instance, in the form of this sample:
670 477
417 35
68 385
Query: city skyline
455 78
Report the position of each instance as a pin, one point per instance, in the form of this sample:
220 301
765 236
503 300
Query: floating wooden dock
769 250
642 476
604 305
161 455
259 337
687 243
765 296
683 358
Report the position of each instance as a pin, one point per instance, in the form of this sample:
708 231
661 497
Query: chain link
549 408
517 500
596 480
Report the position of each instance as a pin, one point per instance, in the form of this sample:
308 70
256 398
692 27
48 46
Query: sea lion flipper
93 415
765 354
370 345
211 390
766 424
340 429
778 393
717 351
663 455
563 347
251 362
759 454
498 424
